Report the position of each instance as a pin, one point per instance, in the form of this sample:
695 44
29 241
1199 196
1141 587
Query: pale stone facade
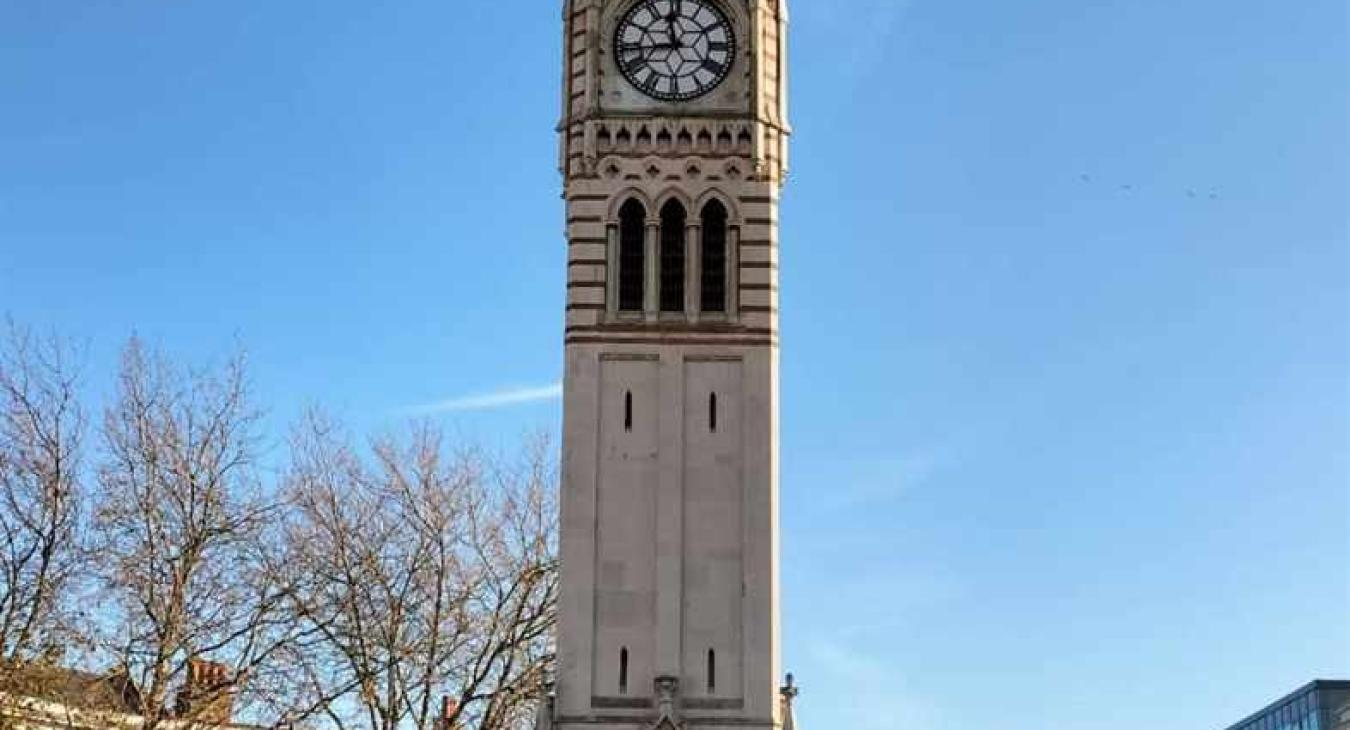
669 614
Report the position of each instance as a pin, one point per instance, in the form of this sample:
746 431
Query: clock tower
673 150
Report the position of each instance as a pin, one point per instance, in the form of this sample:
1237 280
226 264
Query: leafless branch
181 531
42 429
428 574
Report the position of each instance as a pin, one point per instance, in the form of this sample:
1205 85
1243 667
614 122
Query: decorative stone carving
789 694
667 697
671 137
690 169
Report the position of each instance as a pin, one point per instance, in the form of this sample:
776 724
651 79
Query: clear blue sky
1064 303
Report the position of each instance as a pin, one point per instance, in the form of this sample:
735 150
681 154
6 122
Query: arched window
672 257
632 255
714 295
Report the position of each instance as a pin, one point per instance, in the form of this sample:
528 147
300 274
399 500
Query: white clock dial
675 50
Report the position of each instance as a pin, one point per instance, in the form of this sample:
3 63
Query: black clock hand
670 21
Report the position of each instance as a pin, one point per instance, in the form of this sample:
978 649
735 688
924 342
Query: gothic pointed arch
676 193
622 197
721 196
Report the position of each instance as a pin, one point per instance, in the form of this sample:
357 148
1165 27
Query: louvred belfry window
632 256
672 257
713 297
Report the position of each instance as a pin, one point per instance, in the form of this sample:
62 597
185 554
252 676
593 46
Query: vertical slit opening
628 411
712 671
623 671
712 412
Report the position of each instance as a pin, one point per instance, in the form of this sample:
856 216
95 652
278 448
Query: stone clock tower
673 150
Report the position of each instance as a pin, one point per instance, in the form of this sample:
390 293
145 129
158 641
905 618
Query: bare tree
425 576
403 586
180 532
42 428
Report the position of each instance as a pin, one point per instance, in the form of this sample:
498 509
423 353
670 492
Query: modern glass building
1321 705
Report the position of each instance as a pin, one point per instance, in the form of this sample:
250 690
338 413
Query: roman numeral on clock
632 63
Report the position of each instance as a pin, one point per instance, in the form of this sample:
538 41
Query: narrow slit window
713 294
712 412
623 671
672 256
628 411
712 671
632 256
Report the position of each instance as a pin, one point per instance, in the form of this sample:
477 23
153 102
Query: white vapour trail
490 401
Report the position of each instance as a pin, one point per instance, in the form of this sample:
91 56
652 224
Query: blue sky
1065 397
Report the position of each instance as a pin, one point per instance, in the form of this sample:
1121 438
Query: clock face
675 50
